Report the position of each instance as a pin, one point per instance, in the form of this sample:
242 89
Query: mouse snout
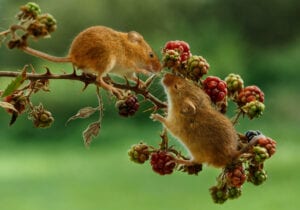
156 66
168 79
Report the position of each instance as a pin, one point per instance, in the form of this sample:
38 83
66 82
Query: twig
88 79
138 90
237 116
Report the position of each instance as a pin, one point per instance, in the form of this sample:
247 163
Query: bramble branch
88 79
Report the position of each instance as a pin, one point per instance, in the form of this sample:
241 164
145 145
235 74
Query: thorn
152 109
149 81
48 72
127 81
32 68
86 84
74 71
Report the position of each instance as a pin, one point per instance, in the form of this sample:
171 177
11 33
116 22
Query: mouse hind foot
113 90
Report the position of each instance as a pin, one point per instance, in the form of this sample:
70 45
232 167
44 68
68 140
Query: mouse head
184 94
175 84
144 56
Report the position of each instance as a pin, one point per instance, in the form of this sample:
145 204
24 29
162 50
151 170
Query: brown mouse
209 136
102 50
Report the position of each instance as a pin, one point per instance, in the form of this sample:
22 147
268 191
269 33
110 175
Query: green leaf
14 85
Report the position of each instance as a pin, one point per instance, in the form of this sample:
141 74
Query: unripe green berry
219 195
30 10
139 153
253 109
234 84
234 192
197 66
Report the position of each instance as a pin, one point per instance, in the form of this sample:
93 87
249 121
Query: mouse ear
134 37
188 107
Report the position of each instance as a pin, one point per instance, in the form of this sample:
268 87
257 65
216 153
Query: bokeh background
50 169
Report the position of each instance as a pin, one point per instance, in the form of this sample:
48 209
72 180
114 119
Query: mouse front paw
157 117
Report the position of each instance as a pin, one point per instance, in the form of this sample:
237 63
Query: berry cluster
250 100
255 147
229 184
215 88
181 47
139 153
163 160
41 118
177 56
235 176
128 106
18 100
33 24
249 168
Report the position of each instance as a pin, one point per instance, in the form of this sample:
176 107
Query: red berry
268 143
180 46
236 176
249 94
215 88
162 162
184 56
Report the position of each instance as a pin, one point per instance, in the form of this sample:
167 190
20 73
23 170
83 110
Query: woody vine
178 60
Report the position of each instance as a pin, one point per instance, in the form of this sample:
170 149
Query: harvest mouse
207 134
102 50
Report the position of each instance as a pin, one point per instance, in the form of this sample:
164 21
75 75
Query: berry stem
164 140
100 104
236 118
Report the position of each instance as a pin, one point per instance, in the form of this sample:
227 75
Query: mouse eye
151 55
176 86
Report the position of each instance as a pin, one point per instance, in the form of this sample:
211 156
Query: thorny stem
142 91
88 79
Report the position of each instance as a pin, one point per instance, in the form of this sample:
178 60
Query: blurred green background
50 169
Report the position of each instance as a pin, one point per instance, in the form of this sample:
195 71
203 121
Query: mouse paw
185 162
157 117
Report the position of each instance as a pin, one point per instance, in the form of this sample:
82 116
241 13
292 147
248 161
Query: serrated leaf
7 105
91 131
14 85
83 113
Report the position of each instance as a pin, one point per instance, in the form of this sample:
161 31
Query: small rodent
209 136
102 50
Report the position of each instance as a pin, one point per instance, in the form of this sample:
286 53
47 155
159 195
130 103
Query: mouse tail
45 56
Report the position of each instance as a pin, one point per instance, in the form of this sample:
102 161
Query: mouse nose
168 79
156 66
